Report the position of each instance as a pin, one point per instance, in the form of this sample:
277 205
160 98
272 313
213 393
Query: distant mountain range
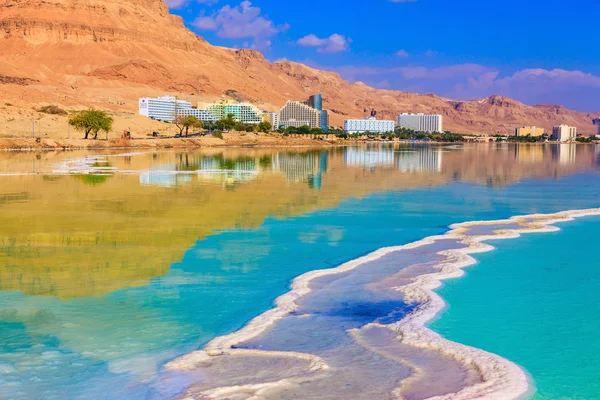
107 53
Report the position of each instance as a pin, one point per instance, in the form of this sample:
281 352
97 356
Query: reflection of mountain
62 237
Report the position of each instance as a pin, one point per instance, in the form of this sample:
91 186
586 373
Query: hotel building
296 113
368 125
309 112
529 131
201 115
163 108
421 122
243 112
272 118
564 133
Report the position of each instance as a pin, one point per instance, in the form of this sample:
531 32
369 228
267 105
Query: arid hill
107 53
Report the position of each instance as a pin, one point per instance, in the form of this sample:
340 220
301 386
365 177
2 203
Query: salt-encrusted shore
501 378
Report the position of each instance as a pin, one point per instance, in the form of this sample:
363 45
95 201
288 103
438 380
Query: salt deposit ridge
343 331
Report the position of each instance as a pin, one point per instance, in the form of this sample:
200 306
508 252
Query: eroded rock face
138 47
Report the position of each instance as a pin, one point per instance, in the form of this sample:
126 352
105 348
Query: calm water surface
105 277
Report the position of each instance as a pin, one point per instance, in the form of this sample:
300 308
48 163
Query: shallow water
540 291
107 277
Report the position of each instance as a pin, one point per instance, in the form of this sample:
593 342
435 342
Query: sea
117 268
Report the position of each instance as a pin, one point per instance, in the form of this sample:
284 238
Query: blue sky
532 50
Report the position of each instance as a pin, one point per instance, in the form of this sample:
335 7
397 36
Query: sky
531 50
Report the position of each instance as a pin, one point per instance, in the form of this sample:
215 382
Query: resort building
296 113
163 108
243 112
564 133
272 118
421 122
529 131
316 101
309 112
201 115
370 124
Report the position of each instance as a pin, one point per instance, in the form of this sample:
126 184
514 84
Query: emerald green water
535 301
105 278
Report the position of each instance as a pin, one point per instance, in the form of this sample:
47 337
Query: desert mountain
107 53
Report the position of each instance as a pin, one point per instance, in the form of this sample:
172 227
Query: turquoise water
113 345
536 301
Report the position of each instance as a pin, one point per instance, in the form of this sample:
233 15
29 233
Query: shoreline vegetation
242 139
97 130
500 378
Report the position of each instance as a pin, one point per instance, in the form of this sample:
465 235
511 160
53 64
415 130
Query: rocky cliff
106 53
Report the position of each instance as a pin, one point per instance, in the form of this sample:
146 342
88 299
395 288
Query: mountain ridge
107 53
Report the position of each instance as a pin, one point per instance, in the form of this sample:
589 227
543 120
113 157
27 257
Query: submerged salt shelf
358 331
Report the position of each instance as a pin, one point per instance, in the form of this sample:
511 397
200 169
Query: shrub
217 134
52 109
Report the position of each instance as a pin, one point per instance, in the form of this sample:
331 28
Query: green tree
304 130
91 121
227 123
265 127
186 123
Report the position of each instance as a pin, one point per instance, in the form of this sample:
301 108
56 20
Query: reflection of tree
92 179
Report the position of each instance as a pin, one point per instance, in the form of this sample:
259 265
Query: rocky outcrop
85 50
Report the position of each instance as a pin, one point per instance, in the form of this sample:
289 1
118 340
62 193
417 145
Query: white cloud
402 53
333 44
242 21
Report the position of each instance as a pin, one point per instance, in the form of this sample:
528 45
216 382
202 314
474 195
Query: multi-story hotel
596 121
244 112
201 115
296 113
272 118
371 125
421 122
564 133
300 113
529 131
163 108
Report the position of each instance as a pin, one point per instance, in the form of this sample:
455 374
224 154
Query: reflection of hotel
529 154
164 176
368 157
567 154
422 160
302 167
296 167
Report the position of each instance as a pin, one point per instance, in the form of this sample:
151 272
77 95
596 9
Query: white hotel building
371 125
421 122
167 108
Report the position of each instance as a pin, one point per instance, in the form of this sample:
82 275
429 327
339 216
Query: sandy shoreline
502 379
229 140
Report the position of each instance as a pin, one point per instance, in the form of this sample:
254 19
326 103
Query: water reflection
152 253
90 234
